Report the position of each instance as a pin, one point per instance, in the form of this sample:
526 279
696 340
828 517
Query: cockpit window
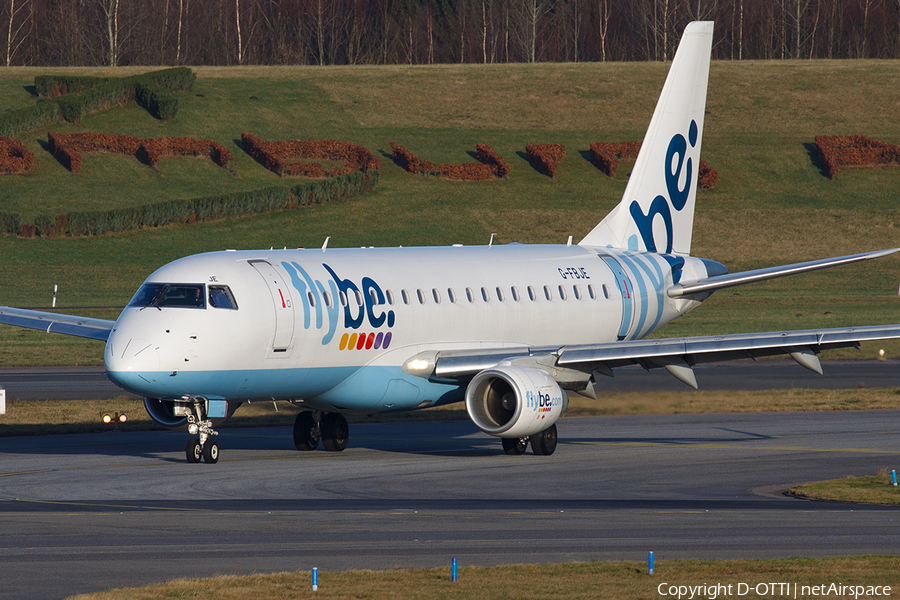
170 295
220 296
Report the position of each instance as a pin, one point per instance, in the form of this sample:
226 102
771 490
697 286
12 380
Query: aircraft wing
95 329
677 355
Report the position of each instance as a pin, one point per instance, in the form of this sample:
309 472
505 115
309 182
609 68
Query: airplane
511 330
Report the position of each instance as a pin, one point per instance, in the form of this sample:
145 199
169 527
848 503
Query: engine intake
510 401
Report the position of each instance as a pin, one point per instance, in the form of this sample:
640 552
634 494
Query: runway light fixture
114 418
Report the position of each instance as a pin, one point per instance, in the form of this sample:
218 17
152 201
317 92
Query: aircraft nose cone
132 363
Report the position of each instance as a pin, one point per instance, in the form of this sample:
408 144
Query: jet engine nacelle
511 402
173 413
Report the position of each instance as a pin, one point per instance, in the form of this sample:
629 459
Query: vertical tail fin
656 213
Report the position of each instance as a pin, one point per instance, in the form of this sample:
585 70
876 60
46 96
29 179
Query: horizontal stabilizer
95 329
711 284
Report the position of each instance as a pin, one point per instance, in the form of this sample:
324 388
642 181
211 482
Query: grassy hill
772 205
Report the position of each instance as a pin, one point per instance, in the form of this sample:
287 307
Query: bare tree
110 10
603 12
14 36
530 13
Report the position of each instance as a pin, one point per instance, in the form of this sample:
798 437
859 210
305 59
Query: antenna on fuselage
325 245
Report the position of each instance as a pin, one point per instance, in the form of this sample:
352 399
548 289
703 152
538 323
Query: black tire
193 451
515 446
305 435
335 432
544 443
210 452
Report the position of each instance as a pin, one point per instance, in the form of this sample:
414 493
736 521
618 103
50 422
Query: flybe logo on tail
357 304
677 170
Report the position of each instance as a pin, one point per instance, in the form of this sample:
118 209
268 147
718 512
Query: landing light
421 365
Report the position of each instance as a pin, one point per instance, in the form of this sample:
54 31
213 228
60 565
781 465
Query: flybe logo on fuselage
541 401
359 305
676 168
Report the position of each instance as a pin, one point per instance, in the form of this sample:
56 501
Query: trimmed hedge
67 148
86 223
15 157
70 98
545 157
51 86
839 151
606 157
274 156
490 166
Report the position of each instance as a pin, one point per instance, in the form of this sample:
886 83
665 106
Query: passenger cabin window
562 293
515 293
220 296
591 292
531 295
390 297
547 293
170 295
437 295
358 295
499 294
343 298
452 295
421 296
312 299
327 298
484 295
577 291
374 297
405 296
470 295
605 292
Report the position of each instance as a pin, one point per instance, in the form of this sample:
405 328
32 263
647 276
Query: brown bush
68 147
545 157
15 157
856 151
275 156
707 177
606 157
486 155
154 149
490 166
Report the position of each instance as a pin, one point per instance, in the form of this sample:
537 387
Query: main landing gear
543 443
331 428
204 447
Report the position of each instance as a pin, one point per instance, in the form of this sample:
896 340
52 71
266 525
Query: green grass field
772 204
589 581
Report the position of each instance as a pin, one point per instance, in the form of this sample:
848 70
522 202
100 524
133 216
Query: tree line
338 32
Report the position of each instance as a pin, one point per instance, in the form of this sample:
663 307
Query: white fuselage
333 327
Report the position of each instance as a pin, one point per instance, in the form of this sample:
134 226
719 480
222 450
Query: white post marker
55 288
315 578
2 401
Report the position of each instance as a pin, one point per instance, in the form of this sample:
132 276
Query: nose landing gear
204 446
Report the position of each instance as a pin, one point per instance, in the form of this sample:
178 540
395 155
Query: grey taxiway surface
90 512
